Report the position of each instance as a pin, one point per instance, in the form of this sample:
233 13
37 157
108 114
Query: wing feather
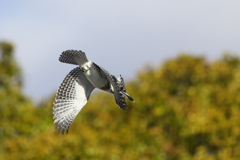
71 96
73 57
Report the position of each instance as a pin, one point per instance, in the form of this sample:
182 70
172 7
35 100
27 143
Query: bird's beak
128 96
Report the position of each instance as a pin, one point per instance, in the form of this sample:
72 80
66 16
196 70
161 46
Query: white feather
72 95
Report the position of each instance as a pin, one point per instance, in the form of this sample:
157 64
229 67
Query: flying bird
77 86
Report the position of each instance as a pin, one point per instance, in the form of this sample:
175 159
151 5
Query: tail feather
73 57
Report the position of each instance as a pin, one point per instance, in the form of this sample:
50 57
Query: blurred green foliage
186 109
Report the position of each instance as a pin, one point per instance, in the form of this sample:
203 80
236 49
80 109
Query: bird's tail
73 57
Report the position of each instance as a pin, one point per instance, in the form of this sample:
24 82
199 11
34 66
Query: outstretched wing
71 96
73 57
117 90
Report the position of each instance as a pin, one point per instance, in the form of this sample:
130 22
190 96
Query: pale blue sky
121 36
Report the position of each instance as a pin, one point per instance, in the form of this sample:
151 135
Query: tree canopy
186 109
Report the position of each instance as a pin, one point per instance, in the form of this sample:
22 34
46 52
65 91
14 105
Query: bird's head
122 88
121 83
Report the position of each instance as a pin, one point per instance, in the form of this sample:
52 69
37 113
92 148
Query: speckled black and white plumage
73 57
77 86
119 98
71 96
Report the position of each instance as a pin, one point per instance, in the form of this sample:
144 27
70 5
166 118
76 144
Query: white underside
97 79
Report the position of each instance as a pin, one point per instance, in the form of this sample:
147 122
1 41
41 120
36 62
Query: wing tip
61 129
122 106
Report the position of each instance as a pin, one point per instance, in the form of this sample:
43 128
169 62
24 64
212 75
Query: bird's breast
97 79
